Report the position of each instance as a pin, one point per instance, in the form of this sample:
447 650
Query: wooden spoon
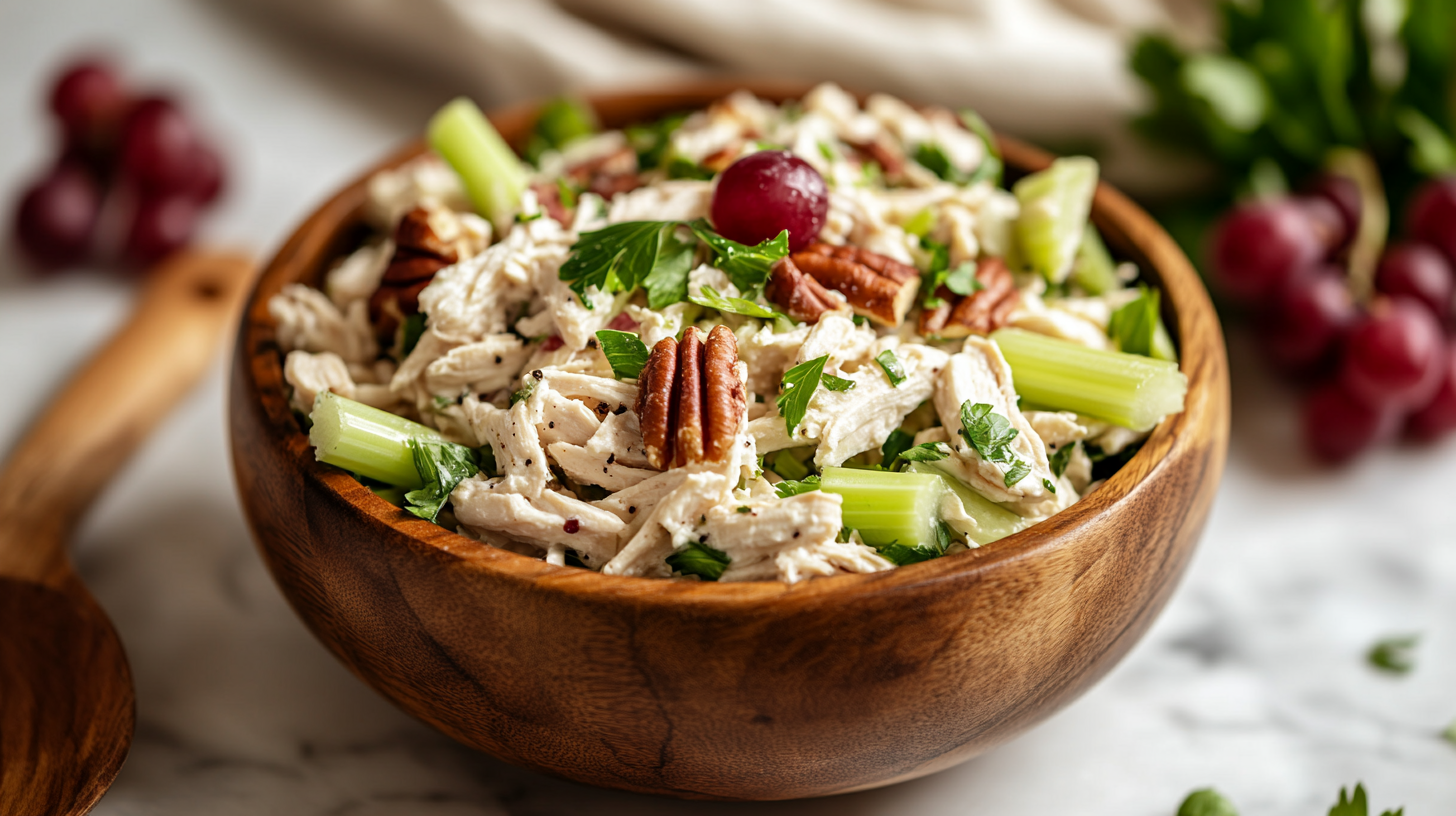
67 707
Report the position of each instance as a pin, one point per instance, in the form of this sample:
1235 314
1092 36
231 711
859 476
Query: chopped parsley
891 364
936 270
650 141
410 333
925 452
1395 655
962 279
788 487
1206 802
788 466
442 466
799 384
1047 483
895 444
667 283
1356 804
625 352
710 298
992 166
901 555
743 508
486 455
525 393
834 383
991 435
933 157
701 560
1137 328
1059 458
615 258
679 167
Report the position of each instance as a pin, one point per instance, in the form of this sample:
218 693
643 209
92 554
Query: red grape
1344 194
1311 313
57 217
207 174
1418 271
1438 416
1259 246
160 226
1337 425
1328 222
159 147
1394 355
767 192
1431 216
86 98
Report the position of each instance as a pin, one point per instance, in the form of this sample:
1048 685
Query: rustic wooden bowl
727 691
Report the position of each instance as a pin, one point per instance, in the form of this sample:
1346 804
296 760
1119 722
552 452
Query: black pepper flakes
632 509
528 463
591 343
537 374
621 409
796 534
611 458
551 424
499 359
703 539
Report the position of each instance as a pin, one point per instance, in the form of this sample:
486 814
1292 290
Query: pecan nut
800 296
690 402
877 287
981 312
419 252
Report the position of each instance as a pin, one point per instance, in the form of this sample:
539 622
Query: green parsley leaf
933 157
743 508
936 270
962 279
789 487
787 465
410 333
710 298
1449 734
991 435
442 466
626 353
895 444
1206 802
799 384
562 120
891 364
1060 457
679 167
1357 804
1137 328
1047 483
651 140
523 218
925 452
615 258
667 283
747 266
901 555
1395 655
567 193
834 383
993 166
700 560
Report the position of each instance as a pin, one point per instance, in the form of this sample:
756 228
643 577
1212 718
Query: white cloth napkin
1048 70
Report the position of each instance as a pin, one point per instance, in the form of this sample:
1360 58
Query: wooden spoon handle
87 433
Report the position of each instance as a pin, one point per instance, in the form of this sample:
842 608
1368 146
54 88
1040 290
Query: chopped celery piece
492 175
1124 389
366 440
992 520
1055 204
887 507
1093 270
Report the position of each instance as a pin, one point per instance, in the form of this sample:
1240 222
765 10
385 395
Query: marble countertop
1253 680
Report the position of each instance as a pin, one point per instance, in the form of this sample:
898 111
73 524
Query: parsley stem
887 507
1124 389
366 440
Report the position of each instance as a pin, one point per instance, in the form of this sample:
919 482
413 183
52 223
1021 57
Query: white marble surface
1252 681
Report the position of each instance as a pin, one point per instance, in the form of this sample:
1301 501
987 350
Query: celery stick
1124 389
366 440
887 507
992 520
1093 270
493 177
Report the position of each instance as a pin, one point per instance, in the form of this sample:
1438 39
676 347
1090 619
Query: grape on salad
757 341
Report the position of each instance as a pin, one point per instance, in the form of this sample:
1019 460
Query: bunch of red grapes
1377 369
131 180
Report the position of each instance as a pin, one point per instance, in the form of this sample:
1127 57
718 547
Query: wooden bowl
727 691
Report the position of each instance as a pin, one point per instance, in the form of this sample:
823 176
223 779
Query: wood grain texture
732 691
67 707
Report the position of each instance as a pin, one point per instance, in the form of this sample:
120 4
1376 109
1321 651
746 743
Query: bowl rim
1125 225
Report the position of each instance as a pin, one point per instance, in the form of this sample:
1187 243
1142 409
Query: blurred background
1332 534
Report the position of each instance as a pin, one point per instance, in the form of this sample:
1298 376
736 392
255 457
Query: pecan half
800 296
890 160
419 253
981 312
690 402
879 288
